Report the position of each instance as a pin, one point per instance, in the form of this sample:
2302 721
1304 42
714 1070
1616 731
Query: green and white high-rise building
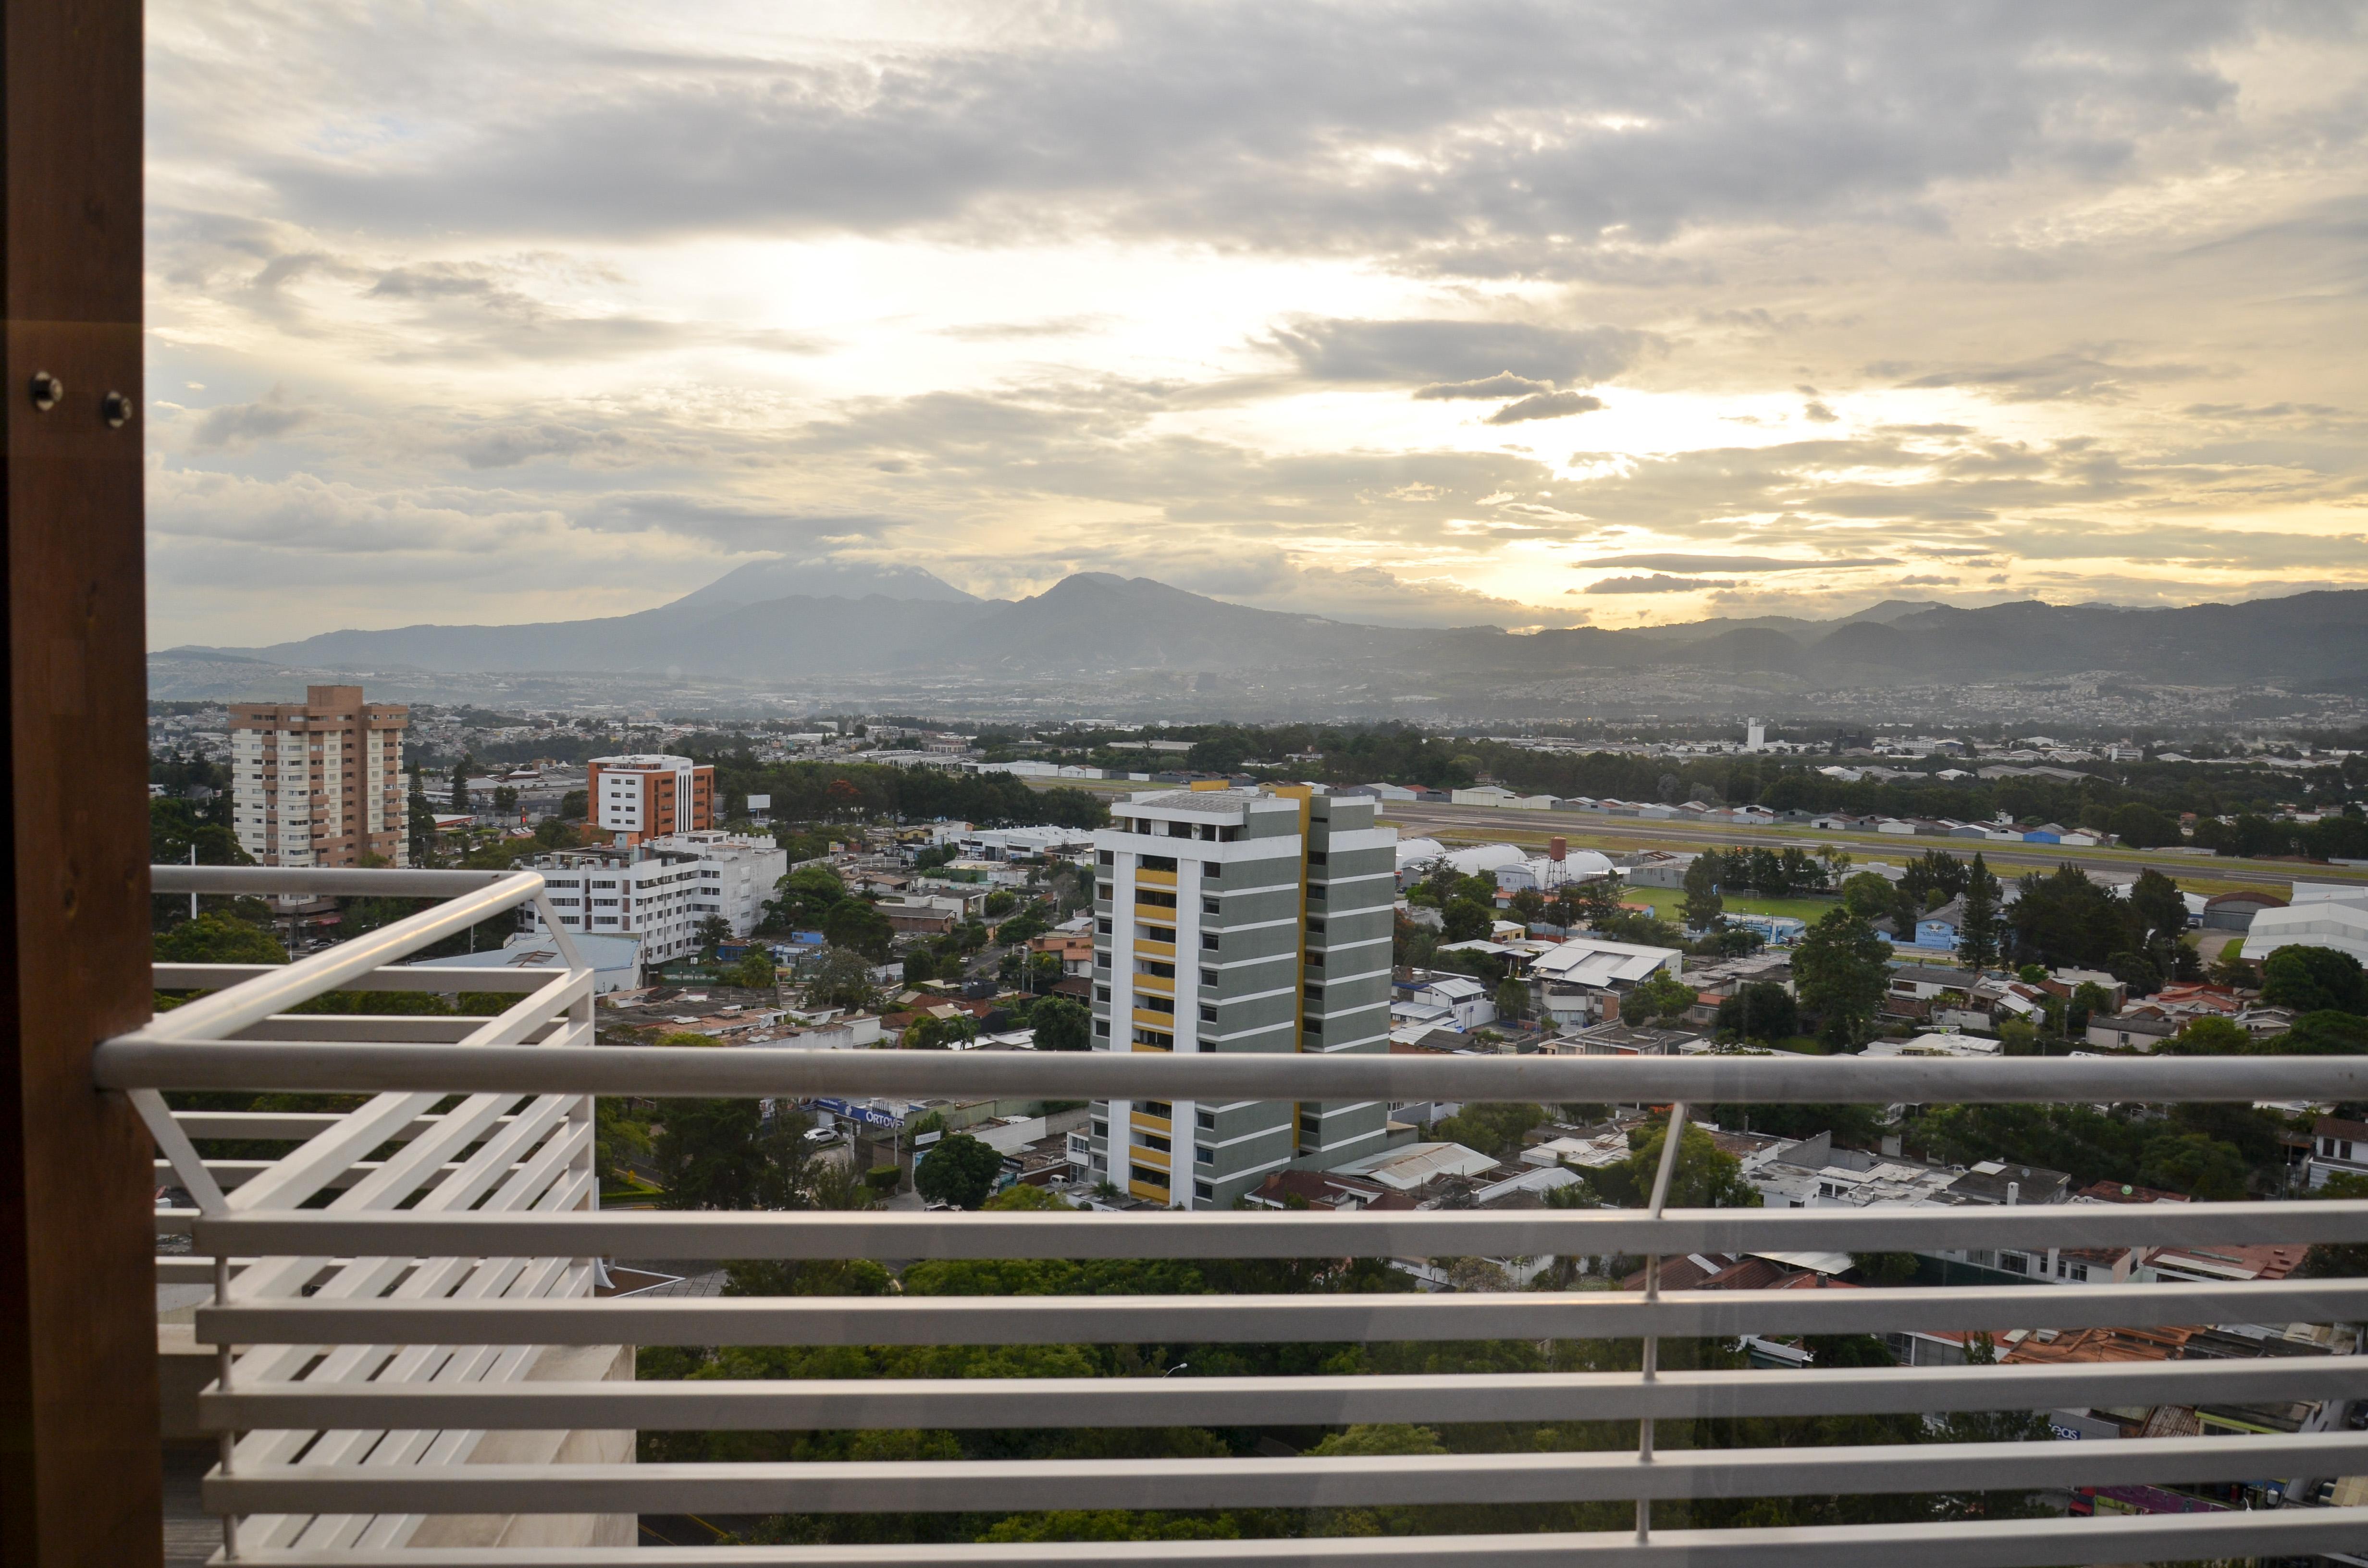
1227 920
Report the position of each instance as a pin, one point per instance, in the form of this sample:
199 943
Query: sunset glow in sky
1528 314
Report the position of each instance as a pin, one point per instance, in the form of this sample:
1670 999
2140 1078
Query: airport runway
1589 830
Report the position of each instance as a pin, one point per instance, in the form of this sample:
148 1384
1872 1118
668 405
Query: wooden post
79 1471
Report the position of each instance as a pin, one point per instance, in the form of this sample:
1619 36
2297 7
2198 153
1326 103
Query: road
1588 830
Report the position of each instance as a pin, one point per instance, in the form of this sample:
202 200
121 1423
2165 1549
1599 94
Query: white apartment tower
320 782
1234 920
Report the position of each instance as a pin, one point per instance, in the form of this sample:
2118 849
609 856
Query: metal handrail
377 1340
1386 1232
159 1058
892 1404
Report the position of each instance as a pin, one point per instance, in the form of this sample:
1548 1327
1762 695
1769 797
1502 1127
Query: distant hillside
778 618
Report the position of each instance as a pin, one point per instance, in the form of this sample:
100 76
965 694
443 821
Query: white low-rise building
2323 914
663 891
1964 1045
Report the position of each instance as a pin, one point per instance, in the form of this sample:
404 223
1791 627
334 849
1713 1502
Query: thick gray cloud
1544 405
1654 585
1525 131
1664 561
244 424
1457 351
2075 376
1506 385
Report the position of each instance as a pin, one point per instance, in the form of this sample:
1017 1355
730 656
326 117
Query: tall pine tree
1978 934
1704 908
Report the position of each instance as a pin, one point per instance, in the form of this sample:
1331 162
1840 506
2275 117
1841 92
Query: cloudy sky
1531 314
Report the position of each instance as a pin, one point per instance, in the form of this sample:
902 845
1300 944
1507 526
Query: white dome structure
1482 859
1418 852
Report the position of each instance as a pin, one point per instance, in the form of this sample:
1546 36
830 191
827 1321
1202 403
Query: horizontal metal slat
889 1404
1999 1543
1135 1320
1302 1482
387 977
377 882
1585 1233
160 1059
290 1125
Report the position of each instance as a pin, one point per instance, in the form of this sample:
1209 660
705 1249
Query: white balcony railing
394 1333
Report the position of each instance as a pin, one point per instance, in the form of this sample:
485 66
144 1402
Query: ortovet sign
867 1115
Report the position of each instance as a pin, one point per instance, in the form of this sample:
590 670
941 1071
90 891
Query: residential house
1465 1000
1075 950
2137 1031
2338 1146
1616 1039
1937 929
1581 980
1996 1182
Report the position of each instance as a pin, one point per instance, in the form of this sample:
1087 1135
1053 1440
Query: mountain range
772 619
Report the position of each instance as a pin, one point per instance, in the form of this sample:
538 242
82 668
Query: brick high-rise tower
320 782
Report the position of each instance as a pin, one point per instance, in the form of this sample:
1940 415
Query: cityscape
1184 785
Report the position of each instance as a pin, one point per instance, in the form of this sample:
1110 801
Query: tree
1978 931
2313 980
806 894
1062 1025
1491 1128
1704 907
1868 895
214 937
754 971
558 832
2160 914
505 800
423 818
859 927
2142 827
1760 1009
1021 1199
842 979
959 1170
619 1136
713 930
929 1032
2089 999
2062 918
2196 1163
2209 1036
1705 1178
918 967
1842 969
1065 805
1595 901
461 783
727 1155
2319 1034
1466 921
1662 997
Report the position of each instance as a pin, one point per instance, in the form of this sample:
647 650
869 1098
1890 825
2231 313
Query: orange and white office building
320 782
635 799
